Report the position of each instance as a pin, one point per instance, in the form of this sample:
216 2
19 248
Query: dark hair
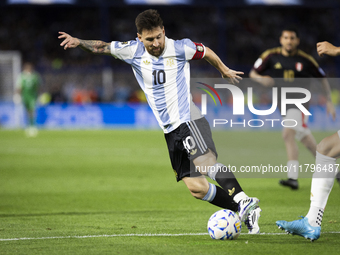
291 29
148 20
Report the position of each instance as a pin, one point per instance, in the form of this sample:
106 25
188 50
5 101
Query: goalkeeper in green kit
28 87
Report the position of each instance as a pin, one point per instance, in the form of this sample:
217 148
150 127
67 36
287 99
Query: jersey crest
170 62
298 66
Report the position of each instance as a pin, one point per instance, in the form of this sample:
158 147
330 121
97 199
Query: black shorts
187 142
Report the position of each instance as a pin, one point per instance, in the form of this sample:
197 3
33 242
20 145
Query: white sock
293 169
322 183
239 196
314 216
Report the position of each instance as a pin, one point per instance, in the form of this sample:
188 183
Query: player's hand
267 81
331 109
326 48
234 76
69 41
264 80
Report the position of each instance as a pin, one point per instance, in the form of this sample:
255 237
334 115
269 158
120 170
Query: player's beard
290 50
156 53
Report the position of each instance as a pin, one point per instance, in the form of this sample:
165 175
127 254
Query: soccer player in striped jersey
328 151
161 67
292 67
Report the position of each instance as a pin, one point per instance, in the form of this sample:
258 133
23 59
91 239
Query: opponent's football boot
300 227
290 183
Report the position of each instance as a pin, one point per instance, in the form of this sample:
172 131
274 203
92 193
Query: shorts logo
193 152
200 48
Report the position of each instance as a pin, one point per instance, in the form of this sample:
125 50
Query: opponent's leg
322 183
328 150
330 146
309 142
292 151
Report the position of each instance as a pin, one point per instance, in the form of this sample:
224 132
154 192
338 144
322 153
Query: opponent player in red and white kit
288 66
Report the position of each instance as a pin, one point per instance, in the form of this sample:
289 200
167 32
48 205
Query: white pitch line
94 236
131 235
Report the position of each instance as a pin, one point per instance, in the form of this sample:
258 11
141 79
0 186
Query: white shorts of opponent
301 119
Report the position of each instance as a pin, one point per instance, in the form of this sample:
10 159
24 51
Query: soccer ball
224 225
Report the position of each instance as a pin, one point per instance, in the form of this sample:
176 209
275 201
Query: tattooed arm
98 47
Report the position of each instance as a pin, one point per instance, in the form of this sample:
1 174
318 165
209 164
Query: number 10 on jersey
158 77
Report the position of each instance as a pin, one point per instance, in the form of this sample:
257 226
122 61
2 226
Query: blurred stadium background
108 186
81 90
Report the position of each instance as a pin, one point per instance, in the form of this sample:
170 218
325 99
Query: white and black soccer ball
224 225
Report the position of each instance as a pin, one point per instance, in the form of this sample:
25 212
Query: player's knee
323 147
288 134
202 162
284 136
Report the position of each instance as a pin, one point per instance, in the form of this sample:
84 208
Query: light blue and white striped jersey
165 80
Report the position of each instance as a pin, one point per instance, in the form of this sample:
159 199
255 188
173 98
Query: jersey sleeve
124 50
319 72
193 50
261 64
316 69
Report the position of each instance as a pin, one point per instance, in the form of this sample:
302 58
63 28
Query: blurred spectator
121 94
86 95
57 94
137 96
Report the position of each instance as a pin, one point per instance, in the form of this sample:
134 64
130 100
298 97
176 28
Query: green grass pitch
104 191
